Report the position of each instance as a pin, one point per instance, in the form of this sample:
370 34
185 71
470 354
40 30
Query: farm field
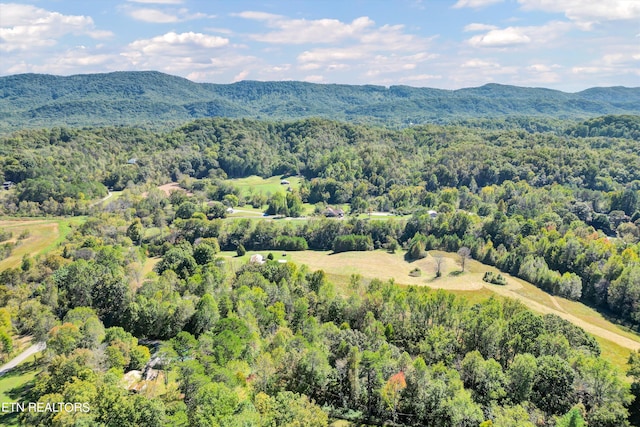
42 235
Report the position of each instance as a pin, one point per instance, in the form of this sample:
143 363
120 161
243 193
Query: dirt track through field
589 327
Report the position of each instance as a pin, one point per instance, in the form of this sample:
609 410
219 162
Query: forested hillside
158 100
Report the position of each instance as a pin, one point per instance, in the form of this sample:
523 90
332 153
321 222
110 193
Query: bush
241 250
417 247
496 279
5 235
416 272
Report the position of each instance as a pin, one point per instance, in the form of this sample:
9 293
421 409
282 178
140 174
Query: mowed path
545 309
384 266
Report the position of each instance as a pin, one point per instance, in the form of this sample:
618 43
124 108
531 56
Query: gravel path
21 357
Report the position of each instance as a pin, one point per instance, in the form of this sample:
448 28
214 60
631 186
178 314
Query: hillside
161 101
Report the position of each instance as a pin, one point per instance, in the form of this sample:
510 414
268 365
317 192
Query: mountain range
160 100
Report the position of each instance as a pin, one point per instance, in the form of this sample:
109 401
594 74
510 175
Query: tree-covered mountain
160 100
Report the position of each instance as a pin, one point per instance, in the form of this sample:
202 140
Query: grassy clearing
149 265
256 184
386 266
14 386
44 235
617 355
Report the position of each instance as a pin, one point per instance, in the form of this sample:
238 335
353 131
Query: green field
44 235
256 184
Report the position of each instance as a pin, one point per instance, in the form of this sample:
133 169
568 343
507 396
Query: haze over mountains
159 100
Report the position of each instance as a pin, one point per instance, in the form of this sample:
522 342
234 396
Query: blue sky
562 44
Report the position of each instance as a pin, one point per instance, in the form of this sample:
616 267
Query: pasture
39 236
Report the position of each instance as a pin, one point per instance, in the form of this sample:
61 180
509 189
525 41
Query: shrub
496 279
5 235
241 250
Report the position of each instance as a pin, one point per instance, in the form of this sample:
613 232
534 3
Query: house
7 185
333 212
432 214
284 182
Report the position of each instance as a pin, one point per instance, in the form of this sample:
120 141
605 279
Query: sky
568 45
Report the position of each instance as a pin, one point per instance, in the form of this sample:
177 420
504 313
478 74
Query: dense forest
161 101
555 203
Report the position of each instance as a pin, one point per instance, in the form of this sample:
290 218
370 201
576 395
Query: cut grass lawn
44 236
14 386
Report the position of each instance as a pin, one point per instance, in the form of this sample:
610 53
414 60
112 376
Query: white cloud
258 16
420 78
321 55
314 78
510 36
479 63
541 68
165 16
302 31
23 27
197 56
587 12
241 76
309 66
70 61
152 15
224 31
173 43
479 27
518 36
475 3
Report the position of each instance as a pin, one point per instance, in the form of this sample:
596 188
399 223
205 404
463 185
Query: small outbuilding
331 212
